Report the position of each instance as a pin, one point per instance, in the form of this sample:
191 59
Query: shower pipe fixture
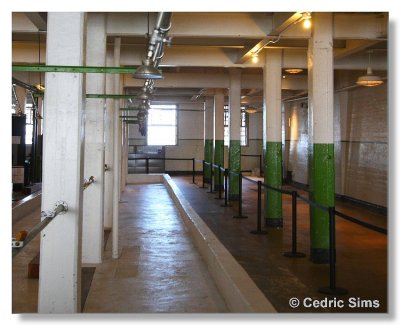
149 70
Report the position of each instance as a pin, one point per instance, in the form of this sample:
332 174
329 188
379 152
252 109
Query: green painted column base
322 189
234 166
208 155
273 177
219 161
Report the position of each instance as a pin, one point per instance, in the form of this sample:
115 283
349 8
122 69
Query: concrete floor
157 257
159 269
361 253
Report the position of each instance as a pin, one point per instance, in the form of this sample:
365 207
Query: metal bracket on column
60 207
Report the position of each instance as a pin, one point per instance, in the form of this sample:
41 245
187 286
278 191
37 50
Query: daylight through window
243 126
162 125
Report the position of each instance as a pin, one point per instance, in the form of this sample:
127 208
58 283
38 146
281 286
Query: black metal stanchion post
226 175
294 252
211 178
147 165
332 289
258 231
204 174
193 171
240 216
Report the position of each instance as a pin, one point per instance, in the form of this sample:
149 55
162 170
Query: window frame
175 125
227 126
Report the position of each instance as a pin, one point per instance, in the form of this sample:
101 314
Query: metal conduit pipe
23 238
148 70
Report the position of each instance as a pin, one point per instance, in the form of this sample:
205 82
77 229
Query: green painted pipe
71 69
100 96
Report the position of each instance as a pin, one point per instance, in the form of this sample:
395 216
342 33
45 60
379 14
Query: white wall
190 138
255 142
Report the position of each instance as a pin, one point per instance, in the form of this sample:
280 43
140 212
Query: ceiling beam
285 21
353 47
37 19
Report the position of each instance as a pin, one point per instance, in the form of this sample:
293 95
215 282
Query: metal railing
23 238
193 160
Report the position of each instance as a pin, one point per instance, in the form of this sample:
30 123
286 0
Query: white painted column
273 98
60 245
93 196
208 136
117 155
234 103
320 129
126 153
219 101
109 149
123 153
272 114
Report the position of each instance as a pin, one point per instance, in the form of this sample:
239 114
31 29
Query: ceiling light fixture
306 18
250 110
369 80
293 70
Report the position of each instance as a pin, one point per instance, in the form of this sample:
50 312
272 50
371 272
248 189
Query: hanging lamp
369 80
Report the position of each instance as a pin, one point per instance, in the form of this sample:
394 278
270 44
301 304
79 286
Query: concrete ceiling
205 45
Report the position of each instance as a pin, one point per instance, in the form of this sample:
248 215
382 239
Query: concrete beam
353 47
198 24
281 22
195 56
37 19
371 26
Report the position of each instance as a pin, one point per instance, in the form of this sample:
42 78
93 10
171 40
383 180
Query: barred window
243 126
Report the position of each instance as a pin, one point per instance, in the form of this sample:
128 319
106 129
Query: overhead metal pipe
148 70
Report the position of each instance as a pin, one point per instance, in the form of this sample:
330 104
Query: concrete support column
208 136
109 150
61 240
234 132
321 149
117 152
219 100
122 139
124 156
93 196
126 151
273 136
